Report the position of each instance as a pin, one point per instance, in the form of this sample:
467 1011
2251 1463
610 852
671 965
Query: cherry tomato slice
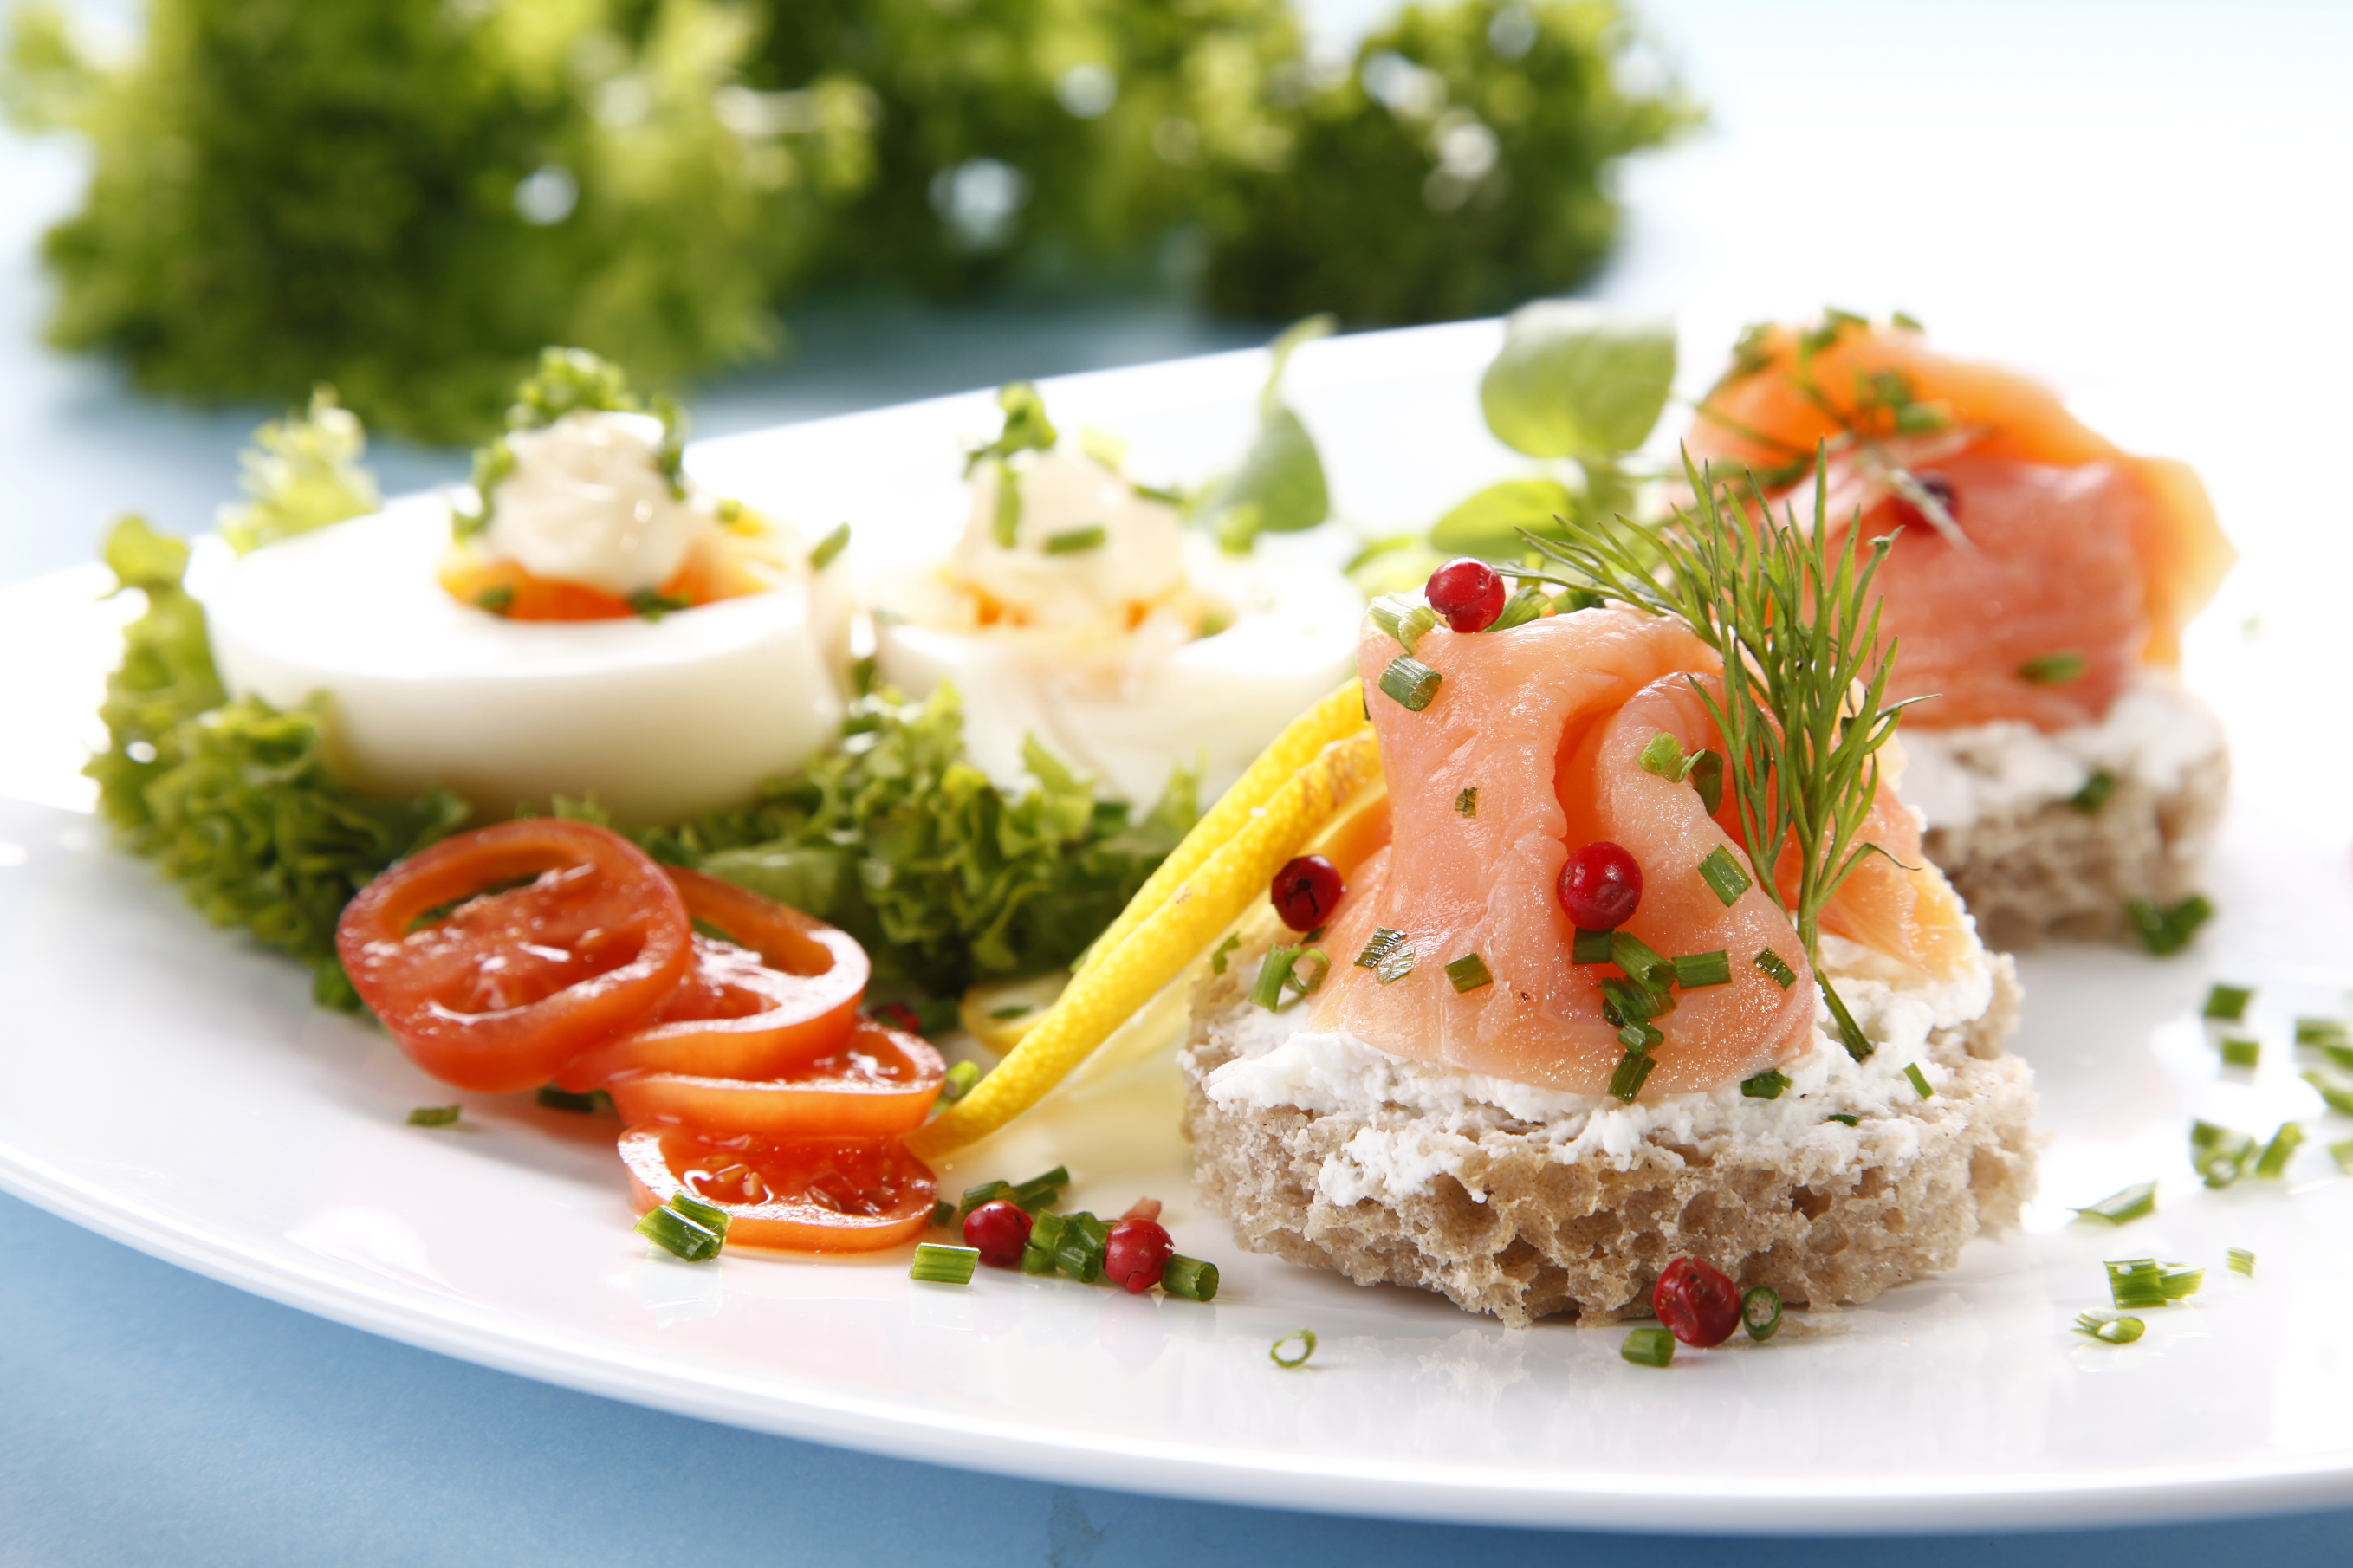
794 1194
877 1082
783 991
516 979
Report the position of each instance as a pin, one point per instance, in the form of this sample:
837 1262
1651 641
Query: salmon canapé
2062 565
1547 723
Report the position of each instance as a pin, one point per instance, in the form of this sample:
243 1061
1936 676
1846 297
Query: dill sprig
1804 710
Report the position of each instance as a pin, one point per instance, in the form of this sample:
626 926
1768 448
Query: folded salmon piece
1548 722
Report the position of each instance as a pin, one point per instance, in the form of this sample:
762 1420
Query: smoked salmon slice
2078 562
1548 722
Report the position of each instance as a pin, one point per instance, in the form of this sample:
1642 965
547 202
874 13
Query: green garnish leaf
1489 524
1018 1010
1279 487
1760 1312
1694 970
1626 1083
434 1115
1844 1117
2094 793
1919 1082
555 1099
1724 876
1293 1349
2277 1154
1765 1085
1522 608
1410 683
2053 668
2228 1003
937 1263
830 546
2238 1052
1218 959
1025 429
2110 1328
2335 1088
2321 1032
1575 380
1466 803
679 1236
1189 1279
2122 1206
301 472
2243 1262
1647 1347
1076 541
2166 931
1772 963
1706 773
1469 973
1591 947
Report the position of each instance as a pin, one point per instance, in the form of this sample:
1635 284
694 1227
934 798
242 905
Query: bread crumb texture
2032 872
1514 1231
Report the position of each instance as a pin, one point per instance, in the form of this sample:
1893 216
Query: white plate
170 1088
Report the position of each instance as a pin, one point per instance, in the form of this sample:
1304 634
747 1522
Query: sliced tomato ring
562 935
794 1194
876 1083
781 991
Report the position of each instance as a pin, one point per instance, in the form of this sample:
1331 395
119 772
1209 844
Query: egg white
654 720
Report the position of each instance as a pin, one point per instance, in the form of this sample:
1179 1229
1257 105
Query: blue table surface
149 1416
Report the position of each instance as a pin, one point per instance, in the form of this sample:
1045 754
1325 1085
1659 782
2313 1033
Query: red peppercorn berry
1909 515
1697 1302
999 1230
1135 1253
1600 886
1469 593
1306 891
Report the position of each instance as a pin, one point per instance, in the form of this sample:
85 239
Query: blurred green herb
301 472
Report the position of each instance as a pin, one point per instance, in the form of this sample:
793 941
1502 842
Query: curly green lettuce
303 472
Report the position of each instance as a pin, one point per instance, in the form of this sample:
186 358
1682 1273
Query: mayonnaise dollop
587 502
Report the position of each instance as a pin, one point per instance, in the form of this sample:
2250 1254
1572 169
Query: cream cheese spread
1422 1119
2153 733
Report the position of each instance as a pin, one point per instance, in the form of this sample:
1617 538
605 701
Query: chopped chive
1626 1083
2335 1088
1771 963
2144 1282
1724 876
959 1081
2180 1283
1387 954
1919 1082
1410 683
2166 931
2321 1032
1663 757
1765 1085
1404 621
1647 1347
1268 992
2219 1154
1036 1259
2279 1150
2094 793
2228 1003
653 607
434 1115
1591 947
1469 973
497 600
710 1216
2343 1155
1694 970
556 1099
1644 964
1760 1312
1318 964
1190 1278
1572 600
1706 772
936 1264
2122 1206
1293 1349
2053 668
1623 1002
1844 1117
1520 609
1639 1037
2238 1052
943 1215
1466 803
2243 1262
1078 1251
679 1235
831 545
1074 540
2110 1328
987 1192
1020 1009
1217 958
1040 1192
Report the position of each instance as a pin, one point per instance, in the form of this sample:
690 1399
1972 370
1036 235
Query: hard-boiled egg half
1081 611
600 628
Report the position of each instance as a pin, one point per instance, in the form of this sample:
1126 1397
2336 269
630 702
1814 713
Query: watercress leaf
1282 477
1575 380
1488 524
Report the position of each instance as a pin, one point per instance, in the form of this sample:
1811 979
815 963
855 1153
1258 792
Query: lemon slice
1154 948
998 1012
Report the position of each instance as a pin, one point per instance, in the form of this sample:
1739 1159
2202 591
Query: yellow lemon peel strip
1186 920
1338 716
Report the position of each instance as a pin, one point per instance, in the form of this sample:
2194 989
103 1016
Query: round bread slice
1514 1226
